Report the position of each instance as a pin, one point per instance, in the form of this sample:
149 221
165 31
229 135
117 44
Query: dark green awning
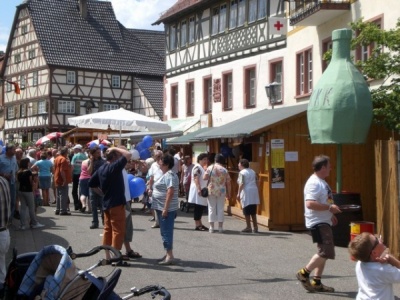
189 137
247 125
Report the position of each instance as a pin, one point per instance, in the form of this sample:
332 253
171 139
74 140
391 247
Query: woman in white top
248 195
197 183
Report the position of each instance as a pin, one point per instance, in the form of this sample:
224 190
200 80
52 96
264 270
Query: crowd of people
100 187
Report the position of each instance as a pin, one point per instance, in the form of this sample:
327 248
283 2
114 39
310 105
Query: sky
138 14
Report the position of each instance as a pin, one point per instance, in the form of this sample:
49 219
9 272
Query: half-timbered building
73 57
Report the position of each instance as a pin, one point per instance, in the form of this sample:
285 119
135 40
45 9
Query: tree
383 66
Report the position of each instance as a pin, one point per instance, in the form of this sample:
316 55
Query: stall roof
136 136
191 137
247 125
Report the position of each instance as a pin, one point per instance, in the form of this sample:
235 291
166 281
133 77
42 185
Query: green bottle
340 107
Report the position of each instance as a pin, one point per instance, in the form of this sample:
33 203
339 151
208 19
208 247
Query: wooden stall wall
286 205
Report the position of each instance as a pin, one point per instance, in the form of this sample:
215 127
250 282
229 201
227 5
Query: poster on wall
278 163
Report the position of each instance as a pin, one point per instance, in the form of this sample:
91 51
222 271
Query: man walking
62 177
319 216
108 181
5 213
8 169
76 163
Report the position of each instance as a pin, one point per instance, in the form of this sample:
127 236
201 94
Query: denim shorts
44 182
84 187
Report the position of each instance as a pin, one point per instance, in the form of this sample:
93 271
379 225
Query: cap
78 146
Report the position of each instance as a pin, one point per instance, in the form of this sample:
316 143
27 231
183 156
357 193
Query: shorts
84 187
250 210
44 182
325 244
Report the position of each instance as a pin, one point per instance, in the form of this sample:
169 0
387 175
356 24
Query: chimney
83 8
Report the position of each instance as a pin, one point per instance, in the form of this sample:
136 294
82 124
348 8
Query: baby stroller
51 274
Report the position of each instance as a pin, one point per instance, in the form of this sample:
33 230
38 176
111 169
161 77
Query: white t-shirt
375 280
317 189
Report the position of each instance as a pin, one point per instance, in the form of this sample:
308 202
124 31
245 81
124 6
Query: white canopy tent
119 119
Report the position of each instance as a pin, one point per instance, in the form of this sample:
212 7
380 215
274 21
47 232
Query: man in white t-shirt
376 270
319 216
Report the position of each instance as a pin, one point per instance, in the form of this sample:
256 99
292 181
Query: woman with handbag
219 188
196 185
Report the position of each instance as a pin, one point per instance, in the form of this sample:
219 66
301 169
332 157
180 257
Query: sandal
118 264
199 228
132 254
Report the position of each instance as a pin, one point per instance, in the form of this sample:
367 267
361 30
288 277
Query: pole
338 168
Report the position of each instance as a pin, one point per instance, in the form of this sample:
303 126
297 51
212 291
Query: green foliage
383 66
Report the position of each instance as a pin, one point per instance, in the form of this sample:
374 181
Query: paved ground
212 266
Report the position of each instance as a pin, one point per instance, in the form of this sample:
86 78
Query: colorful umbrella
100 142
48 137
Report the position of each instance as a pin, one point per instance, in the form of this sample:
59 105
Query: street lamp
44 116
272 92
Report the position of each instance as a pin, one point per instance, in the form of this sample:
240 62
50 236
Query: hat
78 146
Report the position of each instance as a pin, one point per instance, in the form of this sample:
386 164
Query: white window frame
262 9
31 54
71 77
22 110
252 87
66 107
252 14
24 29
17 58
190 98
233 14
223 13
10 112
241 19
214 21
41 107
35 78
22 82
110 106
8 87
116 81
36 136
172 37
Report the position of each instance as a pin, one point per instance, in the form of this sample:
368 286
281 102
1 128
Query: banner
277 26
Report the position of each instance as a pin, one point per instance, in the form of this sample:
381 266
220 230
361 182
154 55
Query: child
36 190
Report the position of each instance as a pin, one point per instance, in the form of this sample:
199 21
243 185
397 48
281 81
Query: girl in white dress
197 183
248 195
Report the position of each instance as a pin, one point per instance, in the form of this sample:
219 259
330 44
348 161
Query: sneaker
37 225
57 212
305 282
22 227
321 288
211 230
246 230
94 226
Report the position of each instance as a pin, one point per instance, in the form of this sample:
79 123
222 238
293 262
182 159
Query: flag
277 26
16 86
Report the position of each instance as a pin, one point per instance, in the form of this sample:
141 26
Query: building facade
75 58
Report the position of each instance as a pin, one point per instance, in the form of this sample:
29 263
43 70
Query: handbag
204 191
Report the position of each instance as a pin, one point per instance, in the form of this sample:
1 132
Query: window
227 90
215 18
241 12
65 107
10 112
183 33
71 78
42 107
190 98
22 82
36 136
172 37
250 87
116 82
174 101
326 45
365 51
276 75
24 29
108 106
222 18
304 72
35 78
257 10
233 14
8 87
17 58
192 29
22 109
31 54
207 94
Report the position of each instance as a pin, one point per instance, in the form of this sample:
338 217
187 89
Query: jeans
75 185
62 198
4 245
27 207
167 228
96 201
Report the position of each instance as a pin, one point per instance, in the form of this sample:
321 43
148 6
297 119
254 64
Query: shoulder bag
204 191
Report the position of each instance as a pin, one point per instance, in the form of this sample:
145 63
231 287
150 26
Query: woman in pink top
84 185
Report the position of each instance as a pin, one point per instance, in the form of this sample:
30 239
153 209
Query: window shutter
34 108
77 108
100 106
55 106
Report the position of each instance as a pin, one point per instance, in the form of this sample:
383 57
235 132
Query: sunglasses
376 243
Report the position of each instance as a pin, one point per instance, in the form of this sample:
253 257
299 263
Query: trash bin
350 205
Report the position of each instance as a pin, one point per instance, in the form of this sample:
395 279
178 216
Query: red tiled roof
179 6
